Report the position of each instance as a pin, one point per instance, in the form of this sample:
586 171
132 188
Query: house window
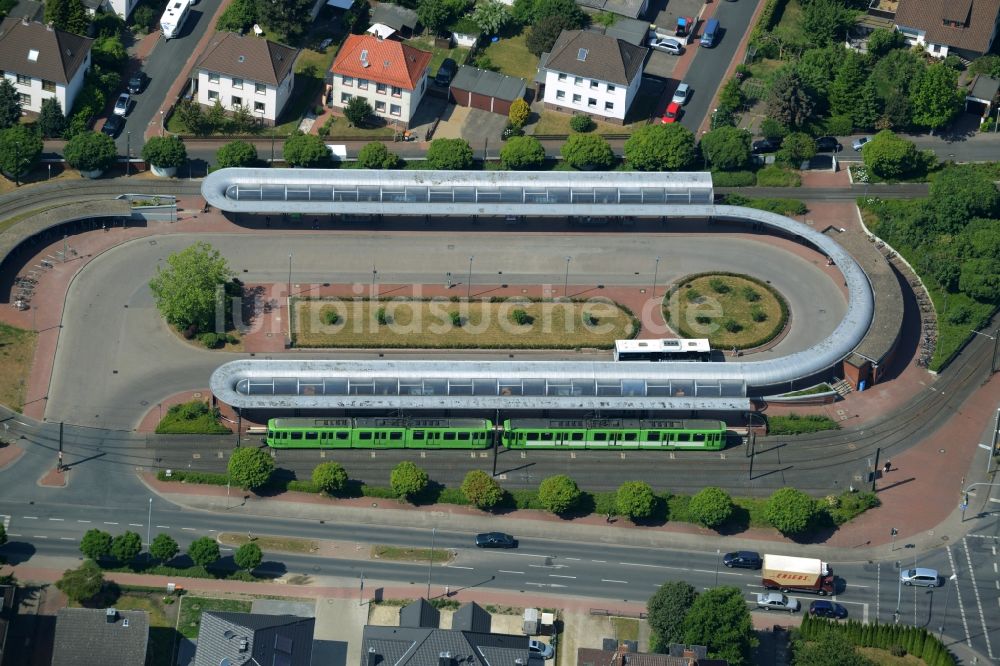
344 98
213 77
591 102
213 95
395 110
25 100
397 91
260 88
611 88
238 84
560 94
48 86
578 81
577 99
380 88
609 106
236 101
363 84
380 107
23 80
562 77
347 80
593 85
259 106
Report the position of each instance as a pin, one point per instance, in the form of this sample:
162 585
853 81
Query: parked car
777 601
743 559
766 146
137 82
495 540
920 577
446 72
540 649
673 113
667 45
828 144
122 105
860 143
682 93
824 608
710 34
113 126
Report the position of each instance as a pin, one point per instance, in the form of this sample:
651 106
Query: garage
485 90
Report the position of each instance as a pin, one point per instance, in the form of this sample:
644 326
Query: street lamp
947 597
468 283
899 592
718 554
566 279
656 271
17 164
996 339
128 152
374 275
892 538
149 522
430 562
161 122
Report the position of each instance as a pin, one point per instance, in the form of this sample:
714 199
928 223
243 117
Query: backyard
509 55
426 43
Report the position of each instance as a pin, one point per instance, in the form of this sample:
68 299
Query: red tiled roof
388 60
964 24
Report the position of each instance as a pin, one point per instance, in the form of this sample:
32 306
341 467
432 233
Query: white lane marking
651 566
709 571
549 566
558 576
83 521
38 536
30 517
510 572
862 586
958 594
609 580
878 589
136 525
59 520
599 561
575 559
67 539
455 566
979 603
107 523
163 527
189 529
545 584
12 534
529 555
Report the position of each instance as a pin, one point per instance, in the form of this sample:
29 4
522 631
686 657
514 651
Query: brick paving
9 454
55 478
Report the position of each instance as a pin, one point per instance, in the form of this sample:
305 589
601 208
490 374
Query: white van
173 18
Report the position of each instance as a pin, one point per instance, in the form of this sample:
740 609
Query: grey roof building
98 637
629 30
606 58
418 641
248 57
400 19
32 49
253 639
629 8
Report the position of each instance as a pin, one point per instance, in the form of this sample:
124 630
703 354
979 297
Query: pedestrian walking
59 467
886 467
447 590
608 519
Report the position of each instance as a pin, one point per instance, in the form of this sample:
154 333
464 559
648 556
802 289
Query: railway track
51 195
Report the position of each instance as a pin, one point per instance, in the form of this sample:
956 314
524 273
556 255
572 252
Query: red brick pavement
55 478
9 455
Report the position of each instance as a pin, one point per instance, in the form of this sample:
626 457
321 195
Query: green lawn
191 418
510 56
426 43
17 349
790 29
339 127
310 71
795 424
189 619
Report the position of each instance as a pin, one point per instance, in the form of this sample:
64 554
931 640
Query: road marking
577 559
558 576
136 525
38 536
546 584
58 519
67 539
83 521
189 529
599 561
651 566
107 523
455 566
979 603
609 580
510 572
958 594
30 517
12 534
878 588
163 527
709 571
529 555
549 566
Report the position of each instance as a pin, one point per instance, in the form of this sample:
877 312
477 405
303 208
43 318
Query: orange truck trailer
797 574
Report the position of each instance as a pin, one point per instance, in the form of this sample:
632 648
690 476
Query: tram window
600 436
340 434
630 436
395 435
698 437
463 436
576 436
449 436
364 435
270 434
683 437
547 436
653 436
417 434
296 435
312 435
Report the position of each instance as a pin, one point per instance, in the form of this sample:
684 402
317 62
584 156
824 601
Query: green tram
471 433
614 434
379 433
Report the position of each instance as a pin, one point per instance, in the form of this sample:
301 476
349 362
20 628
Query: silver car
860 143
667 45
920 577
777 601
681 94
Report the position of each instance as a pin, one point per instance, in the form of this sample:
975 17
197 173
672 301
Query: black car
828 144
113 125
824 608
743 559
495 540
446 72
766 146
137 83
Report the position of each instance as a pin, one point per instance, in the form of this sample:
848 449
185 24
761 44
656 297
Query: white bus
693 349
173 19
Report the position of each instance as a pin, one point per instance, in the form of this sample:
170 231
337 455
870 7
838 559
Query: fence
611 613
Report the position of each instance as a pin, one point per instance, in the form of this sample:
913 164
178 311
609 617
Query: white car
121 106
667 45
540 649
777 601
860 143
681 94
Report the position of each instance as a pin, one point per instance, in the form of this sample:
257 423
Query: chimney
24 20
444 659
111 615
244 644
49 26
372 657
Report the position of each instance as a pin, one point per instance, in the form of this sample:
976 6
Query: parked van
709 34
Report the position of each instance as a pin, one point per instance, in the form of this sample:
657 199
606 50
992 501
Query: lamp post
656 272
374 276
289 273
996 339
17 164
892 538
947 597
128 152
161 122
468 283
899 592
566 278
718 554
149 522
430 562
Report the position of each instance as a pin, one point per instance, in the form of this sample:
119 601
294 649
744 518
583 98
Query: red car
673 113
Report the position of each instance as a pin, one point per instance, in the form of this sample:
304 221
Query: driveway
665 19
661 64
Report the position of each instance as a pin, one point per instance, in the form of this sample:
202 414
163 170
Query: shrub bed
191 418
734 178
775 176
797 424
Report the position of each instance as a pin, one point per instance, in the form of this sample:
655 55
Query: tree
826 21
250 468
720 620
449 154
330 477
435 14
91 151
789 100
772 129
796 148
375 155
588 151
635 499
936 98
519 111
491 16
828 648
248 556
482 489
163 548
959 194
666 611
165 151
289 17
188 289
847 86
51 121
726 148
204 551
357 111
67 15
883 40
3 535
20 149
81 583
305 150
408 480
790 511
568 8
95 544
559 493
143 18
546 31
10 104
522 153
109 53
239 16
126 547
711 507
731 97
891 156
660 148
236 154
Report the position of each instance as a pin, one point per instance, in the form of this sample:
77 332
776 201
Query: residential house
242 639
983 97
967 28
628 8
98 637
624 654
592 74
121 7
391 75
418 641
7 613
246 71
43 62
389 19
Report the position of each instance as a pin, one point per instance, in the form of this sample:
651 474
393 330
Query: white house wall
619 97
65 94
408 100
273 99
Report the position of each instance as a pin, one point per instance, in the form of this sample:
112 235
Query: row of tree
823 642
125 548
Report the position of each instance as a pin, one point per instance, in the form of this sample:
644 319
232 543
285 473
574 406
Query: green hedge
770 204
796 424
775 176
734 178
207 478
896 638
769 18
